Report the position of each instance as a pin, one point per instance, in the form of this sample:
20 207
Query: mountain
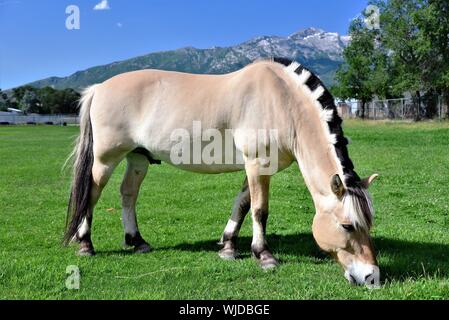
319 50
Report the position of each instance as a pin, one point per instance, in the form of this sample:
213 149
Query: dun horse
134 115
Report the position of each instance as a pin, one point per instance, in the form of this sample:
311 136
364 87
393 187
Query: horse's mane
357 200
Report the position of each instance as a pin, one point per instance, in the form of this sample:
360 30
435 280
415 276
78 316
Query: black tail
79 202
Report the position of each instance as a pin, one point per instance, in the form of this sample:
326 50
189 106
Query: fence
396 109
38 119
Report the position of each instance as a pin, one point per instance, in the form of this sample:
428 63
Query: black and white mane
357 200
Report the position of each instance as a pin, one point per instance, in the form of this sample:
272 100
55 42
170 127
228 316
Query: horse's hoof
267 261
86 252
267 266
228 254
143 248
86 249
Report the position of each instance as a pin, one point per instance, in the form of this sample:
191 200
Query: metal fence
396 109
38 119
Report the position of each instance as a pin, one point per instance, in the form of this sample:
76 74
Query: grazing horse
134 116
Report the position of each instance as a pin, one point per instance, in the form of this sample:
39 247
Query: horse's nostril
369 279
352 280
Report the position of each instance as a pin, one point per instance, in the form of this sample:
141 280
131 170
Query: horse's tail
78 207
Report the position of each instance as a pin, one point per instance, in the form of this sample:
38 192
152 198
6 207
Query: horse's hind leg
101 172
229 239
136 171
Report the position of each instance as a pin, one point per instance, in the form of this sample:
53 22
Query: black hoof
266 260
269 265
228 244
86 253
86 250
143 248
228 254
137 243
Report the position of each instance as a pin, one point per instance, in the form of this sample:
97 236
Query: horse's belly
210 168
201 161
227 162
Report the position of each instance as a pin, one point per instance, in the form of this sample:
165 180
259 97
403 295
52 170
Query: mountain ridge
319 50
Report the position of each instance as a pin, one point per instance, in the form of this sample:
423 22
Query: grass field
182 215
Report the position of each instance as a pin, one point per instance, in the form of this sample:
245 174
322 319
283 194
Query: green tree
3 101
69 101
408 53
417 32
59 101
19 92
48 98
432 20
355 77
30 102
401 36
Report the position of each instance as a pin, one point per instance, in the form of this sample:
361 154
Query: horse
134 115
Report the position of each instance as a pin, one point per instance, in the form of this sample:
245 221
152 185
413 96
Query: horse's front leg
229 238
259 186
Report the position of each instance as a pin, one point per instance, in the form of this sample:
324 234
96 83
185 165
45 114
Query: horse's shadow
399 259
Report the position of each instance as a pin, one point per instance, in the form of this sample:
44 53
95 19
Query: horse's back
143 108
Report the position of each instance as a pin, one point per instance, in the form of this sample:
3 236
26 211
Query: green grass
182 215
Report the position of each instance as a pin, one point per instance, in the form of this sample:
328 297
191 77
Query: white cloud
103 5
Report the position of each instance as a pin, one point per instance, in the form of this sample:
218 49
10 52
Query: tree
355 76
69 101
416 32
19 92
30 102
408 53
3 101
59 101
433 23
46 100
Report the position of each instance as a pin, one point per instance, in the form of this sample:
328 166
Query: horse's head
342 227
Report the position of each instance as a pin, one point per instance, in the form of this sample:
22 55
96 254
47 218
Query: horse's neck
315 154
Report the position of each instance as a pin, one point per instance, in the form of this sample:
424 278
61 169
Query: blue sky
34 42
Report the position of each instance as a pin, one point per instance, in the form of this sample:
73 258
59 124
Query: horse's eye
348 227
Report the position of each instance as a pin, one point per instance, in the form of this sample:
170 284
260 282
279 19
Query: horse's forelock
358 207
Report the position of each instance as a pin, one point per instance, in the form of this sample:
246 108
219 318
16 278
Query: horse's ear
367 181
337 186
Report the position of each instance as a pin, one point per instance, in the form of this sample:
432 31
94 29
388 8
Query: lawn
182 215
